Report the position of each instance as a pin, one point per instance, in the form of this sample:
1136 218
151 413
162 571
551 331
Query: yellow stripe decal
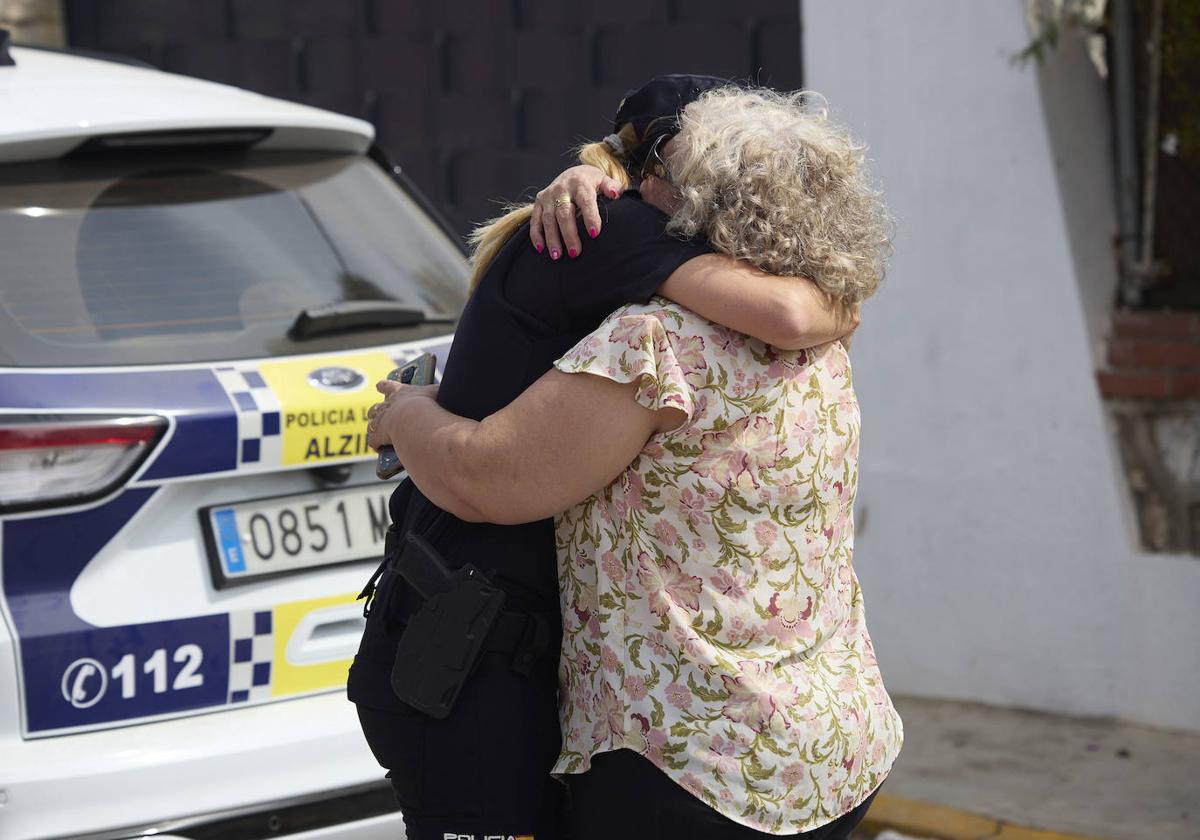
325 425
293 672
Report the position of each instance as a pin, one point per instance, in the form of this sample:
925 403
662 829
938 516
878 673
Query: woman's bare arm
790 313
787 312
566 437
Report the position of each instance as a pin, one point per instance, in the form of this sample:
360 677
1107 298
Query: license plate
266 537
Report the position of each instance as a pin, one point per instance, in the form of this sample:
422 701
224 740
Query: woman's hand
382 417
553 222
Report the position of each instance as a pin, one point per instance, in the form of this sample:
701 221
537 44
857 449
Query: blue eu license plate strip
231 544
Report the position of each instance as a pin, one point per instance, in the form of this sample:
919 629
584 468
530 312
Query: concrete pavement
970 771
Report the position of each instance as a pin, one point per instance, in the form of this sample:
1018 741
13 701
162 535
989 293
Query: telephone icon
84 683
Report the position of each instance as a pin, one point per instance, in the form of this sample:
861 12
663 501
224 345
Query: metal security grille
477 100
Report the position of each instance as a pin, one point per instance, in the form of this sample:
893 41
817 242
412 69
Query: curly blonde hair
767 177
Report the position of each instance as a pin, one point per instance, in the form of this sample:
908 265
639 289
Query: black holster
462 617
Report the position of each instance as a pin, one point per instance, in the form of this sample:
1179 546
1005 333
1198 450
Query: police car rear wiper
349 315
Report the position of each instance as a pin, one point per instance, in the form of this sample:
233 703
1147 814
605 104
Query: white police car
199 287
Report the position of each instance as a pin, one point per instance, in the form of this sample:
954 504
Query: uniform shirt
712 620
526 312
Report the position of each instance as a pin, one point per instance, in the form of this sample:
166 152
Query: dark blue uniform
485 769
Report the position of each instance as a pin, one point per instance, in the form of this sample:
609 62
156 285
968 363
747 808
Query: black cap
654 107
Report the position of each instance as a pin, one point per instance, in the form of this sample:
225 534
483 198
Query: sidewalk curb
924 819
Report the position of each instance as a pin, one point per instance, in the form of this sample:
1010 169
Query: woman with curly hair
716 675
479 764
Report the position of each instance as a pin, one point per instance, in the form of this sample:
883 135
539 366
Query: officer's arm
566 437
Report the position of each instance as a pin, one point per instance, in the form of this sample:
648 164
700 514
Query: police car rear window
136 259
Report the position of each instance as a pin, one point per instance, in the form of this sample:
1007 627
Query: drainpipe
1125 115
1150 144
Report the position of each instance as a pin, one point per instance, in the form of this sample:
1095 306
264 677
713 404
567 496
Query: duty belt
525 635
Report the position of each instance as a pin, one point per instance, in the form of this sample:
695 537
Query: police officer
472 758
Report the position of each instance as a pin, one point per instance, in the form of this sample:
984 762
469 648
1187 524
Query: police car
199 287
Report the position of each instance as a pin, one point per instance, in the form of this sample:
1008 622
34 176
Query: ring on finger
561 200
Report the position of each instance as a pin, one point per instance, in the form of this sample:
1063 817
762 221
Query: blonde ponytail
487 239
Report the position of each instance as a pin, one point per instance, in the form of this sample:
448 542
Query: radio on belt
417 372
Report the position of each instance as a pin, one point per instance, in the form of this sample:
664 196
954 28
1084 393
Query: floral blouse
712 620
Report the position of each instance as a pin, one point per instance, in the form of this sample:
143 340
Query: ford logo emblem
336 379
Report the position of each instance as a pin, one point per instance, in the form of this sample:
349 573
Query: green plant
1048 20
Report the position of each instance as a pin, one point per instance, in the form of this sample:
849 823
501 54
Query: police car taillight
66 459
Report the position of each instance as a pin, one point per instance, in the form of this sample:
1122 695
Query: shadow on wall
1074 102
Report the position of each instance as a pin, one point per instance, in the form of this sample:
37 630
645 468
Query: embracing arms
790 313
566 437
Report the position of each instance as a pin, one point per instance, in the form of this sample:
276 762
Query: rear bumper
365 813
178 776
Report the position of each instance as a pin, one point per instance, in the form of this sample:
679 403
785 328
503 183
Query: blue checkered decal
252 647
259 438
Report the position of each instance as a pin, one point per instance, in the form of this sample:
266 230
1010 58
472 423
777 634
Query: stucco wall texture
995 545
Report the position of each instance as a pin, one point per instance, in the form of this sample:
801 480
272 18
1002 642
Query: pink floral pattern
716 624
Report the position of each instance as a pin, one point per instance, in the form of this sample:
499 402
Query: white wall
995 545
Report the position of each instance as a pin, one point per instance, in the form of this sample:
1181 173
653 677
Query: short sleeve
633 344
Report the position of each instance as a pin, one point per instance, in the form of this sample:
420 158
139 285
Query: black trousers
484 770
624 795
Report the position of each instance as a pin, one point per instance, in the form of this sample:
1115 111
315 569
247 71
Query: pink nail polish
539 247
592 232
572 253
553 254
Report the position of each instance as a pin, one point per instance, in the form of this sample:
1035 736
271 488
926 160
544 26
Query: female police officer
476 762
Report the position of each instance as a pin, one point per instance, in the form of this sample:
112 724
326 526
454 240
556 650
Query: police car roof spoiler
204 138
6 59
97 55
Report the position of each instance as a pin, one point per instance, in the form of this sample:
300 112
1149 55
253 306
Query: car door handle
326 635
